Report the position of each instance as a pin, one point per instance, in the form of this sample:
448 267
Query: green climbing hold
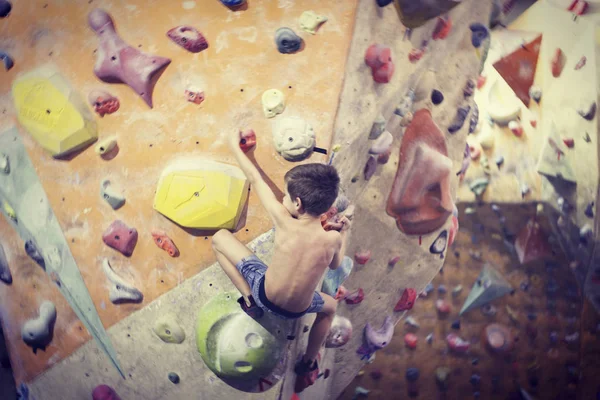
479 185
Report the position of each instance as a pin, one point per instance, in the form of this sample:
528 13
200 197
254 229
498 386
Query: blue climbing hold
287 41
412 374
233 3
7 60
475 380
5 8
478 34
383 3
456 324
442 289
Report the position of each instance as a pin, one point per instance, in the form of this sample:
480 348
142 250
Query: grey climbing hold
479 185
4 163
168 329
5 275
411 322
406 105
589 210
439 244
459 119
377 128
112 194
120 291
173 377
361 391
499 161
287 41
588 111
7 60
37 332
535 92
474 120
456 290
341 203
437 97
32 251
370 168
490 285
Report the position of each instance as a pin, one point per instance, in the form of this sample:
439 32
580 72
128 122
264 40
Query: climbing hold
412 374
490 285
121 237
164 242
439 244
481 79
60 130
106 146
6 58
116 61
247 140
362 257
378 127
5 8
420 201
273 102
442 306
415 55
407 301
437 97
377 339
4 163
456 344
478 186
410 340
469 88
411 322
535 92
194 94
524 189
168 329
341 202
5 275
173 377
360 391
379 59
120 291
478 34
442 289
453 226
475 380
498 338
37 332
569 142
355 297
406 104
383 3
382 144
103 102
104 392
370 168
442 28
376 374
339 333
558 62
459 119
585 234
441 377
533 123
465 162
309 21
32 251
429 338
188 37
488 310
581 63
112 194
474 119
456 325
532 244
588 111
589 210
294 138
393 261
428 289
233 3
516 128
287 41
486 137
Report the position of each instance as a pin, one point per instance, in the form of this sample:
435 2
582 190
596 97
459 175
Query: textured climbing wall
545 310
241 62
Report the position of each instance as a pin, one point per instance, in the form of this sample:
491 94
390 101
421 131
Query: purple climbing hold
589 210
7 60
370 167
475 380
459 119
478 34
474 120
5 8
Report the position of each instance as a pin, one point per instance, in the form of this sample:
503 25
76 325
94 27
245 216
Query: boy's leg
229 252
320 328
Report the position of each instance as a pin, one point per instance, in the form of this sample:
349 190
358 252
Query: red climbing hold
407 301
384 157
362 257
442 28
379 58
457 344
341 294
247 140
558 62
578 7
410 340
104 392
121 237
355 297
415 55
442 306
481 81
569 142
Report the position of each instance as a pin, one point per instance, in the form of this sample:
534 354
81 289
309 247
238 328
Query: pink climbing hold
569 142
121 237
516 128
410 340
189 38
457 344
442 306
362 257
379 59
355 297
118 62
481 81
581 63
104 392
475 151
407 301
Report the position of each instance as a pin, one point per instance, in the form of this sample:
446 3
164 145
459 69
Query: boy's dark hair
315 184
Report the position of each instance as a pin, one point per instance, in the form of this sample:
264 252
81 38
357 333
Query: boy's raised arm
275 209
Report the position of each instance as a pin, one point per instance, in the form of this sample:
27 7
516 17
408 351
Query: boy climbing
303 251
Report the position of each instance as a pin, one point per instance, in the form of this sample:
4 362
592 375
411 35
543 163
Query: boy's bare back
303 250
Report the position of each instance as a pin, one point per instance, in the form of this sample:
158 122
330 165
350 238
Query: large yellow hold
202 194
53 113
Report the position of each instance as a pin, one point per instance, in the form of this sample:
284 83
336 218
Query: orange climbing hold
247 140
362 257
164 242
442 28
410 340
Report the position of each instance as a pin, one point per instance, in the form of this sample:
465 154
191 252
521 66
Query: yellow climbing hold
52 112
309 21
273 102
9 211
336 148
202 194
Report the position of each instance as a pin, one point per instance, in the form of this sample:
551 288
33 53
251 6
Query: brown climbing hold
442 28
355 297
558 62
247 140
164 242
370 168
407 301
121 237
379 59
531 243
362 257
104 392
420 200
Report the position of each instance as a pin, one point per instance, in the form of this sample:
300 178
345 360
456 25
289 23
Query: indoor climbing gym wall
115 174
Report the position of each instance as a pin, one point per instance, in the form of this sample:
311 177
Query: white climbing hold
120 291
504 106
105 146
37 332
293 138
410 321
273 102
535 92
309 21
4 163
486 137
382 143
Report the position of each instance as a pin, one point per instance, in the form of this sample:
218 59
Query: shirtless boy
303 251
